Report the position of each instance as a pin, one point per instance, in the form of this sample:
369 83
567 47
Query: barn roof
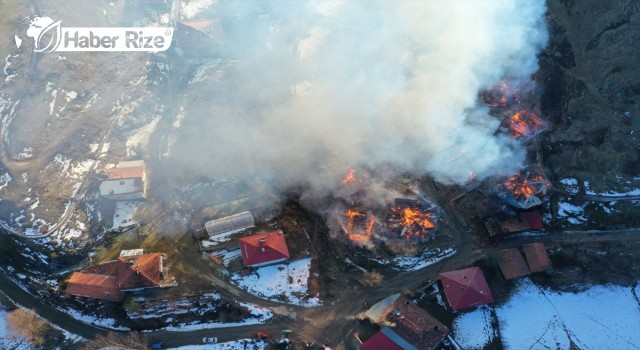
537 257
512 263
263 248
235 222
93 285
466 288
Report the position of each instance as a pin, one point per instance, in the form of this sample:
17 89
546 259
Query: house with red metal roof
512 263
537 257
125 181
466 288
108 280
264 249
526 221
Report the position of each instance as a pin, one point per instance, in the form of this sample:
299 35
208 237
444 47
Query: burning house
411 218
125 181
523 190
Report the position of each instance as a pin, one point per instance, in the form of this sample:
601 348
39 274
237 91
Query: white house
126 181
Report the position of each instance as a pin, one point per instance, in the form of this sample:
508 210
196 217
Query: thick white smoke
320 87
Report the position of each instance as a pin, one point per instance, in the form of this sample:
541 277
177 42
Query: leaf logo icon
54 31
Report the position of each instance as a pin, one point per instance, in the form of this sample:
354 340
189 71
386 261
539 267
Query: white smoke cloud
320 87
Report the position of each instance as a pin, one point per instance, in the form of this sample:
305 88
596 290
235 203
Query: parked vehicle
210 340
158 345
262 335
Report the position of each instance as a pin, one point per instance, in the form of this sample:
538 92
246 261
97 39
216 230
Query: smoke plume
317 88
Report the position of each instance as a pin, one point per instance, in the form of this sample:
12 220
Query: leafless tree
129 341
27 325
372 278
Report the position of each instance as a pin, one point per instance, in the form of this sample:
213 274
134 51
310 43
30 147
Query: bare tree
27 325
372 278
129 341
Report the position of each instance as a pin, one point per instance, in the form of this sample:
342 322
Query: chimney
263 241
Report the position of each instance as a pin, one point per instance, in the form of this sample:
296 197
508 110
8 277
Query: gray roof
235 222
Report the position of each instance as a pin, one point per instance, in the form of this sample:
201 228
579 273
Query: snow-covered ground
280 282
601 317
108 323
6 340
123 215
428 257
240 344
633 191
193 8
259 314
574 213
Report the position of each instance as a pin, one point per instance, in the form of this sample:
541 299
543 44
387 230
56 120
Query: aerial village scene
355 175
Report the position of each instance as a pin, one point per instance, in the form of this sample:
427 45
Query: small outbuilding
526 221
466 288
537 257
512 263
230 224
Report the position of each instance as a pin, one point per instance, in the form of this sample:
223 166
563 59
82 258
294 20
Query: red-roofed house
466 288
263 249
537 257
125 181
386 339
106 281
527 221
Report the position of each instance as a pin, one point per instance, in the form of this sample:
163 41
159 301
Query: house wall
123 188
269 262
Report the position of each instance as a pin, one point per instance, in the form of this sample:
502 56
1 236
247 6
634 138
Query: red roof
127 272
381 341
466 288
512 263
537 257
93 285
263 248
534 220
124 173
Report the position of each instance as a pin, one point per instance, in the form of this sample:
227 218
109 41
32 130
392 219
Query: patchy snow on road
123 215
428 257
600 317
240 344
282 282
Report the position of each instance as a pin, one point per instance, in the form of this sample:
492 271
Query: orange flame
498 97
361 237
350 177
414 222
524 188
524 124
